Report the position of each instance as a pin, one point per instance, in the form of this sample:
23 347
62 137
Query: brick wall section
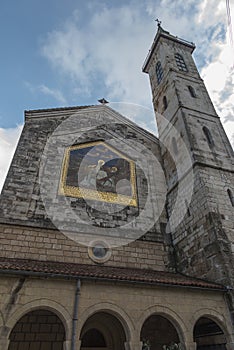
204 240
32 243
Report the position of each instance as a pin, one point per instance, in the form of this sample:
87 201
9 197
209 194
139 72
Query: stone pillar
133 345
67 345
78 344
190 345
4 337
4 342
230 346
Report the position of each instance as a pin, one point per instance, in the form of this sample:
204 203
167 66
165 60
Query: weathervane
159 22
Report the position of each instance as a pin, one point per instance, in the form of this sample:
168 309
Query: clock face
98 171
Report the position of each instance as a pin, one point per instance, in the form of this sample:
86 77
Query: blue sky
24 26
65 52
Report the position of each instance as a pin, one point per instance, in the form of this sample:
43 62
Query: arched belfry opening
103 331
36 330
208 335
158 332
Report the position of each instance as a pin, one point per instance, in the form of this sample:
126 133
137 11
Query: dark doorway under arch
208 335
102 331
38 329
93 338
158 331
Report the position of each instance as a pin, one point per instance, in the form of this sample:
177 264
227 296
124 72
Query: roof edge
55 109
52 269
45 113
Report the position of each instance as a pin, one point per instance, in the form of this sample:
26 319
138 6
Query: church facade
114 239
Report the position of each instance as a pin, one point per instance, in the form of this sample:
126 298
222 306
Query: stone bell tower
203 235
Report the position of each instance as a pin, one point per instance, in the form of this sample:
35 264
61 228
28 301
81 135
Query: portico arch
102 331
113 309
158 331
47 304
38 329
178 323
208 335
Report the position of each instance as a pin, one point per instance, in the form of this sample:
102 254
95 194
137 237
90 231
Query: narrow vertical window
187 207
174 145
208 136
159 72
192 91
230 195
165 104
180 62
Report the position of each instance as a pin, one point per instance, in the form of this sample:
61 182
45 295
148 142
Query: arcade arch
106 330
38 329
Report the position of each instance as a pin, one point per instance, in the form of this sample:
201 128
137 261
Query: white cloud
208 7
45 90
56 94
8 142
219 80
110 49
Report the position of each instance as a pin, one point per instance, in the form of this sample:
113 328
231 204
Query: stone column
190 345
67 345
4 342
230 346
133 345
4 337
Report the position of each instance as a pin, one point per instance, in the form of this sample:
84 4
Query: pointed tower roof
162 33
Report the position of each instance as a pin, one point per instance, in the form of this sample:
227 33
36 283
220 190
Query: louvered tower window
180 62
159 72
174 145
208 135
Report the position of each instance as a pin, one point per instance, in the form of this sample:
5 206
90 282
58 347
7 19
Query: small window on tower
159 72
165 104
231 197
174 145
208 136
180 62
187 207
192 91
